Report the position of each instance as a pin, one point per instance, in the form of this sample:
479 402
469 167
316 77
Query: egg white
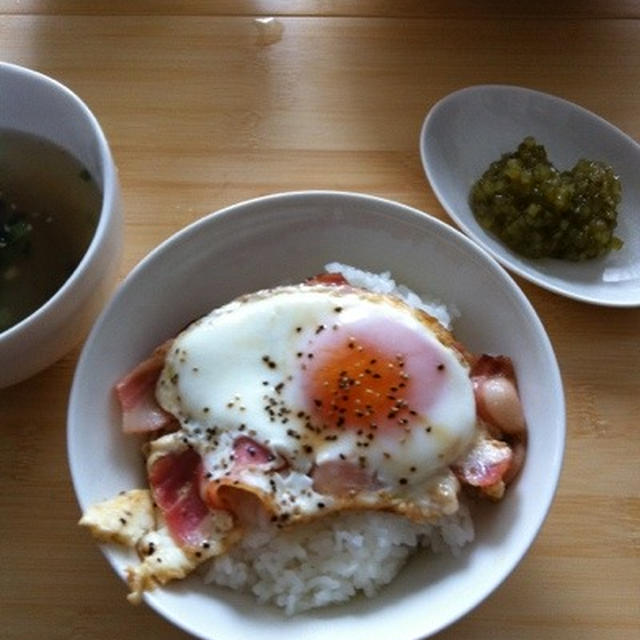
238 372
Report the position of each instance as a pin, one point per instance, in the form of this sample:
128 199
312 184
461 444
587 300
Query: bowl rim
109 209
502 88
154 599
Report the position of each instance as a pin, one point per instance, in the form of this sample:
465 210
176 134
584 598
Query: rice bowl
377 235
332 560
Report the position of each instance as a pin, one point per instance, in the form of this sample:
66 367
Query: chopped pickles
538 211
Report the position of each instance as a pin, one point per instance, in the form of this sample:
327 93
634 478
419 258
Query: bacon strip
341 478
175 482
497 400
136 393
336 279
246 453
495 460
485 464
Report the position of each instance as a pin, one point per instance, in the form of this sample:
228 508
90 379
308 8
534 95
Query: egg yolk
373 375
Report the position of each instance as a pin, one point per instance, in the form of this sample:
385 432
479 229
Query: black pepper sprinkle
440 367
337 309
123 521
403 481
321 505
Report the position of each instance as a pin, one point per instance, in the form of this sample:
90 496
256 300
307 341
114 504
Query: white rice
384 283
330 561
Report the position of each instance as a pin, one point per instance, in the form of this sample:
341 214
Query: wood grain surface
203 110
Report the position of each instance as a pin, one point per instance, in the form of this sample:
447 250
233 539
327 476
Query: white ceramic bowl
36 104
283 239
468 129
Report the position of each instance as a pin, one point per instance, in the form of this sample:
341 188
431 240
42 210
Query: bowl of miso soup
60 221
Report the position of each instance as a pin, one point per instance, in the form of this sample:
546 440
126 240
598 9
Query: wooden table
205 106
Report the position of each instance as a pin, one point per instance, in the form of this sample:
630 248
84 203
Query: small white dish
283 239
468 129
36 104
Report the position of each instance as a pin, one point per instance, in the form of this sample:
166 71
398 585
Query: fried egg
318 398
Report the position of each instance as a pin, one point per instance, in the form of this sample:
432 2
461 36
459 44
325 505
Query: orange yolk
373 373
360 385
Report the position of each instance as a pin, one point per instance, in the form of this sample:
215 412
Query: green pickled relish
538 211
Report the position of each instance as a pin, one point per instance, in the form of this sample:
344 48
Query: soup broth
49 209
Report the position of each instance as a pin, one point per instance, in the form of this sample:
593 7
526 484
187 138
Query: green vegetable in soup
15 230
540 212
